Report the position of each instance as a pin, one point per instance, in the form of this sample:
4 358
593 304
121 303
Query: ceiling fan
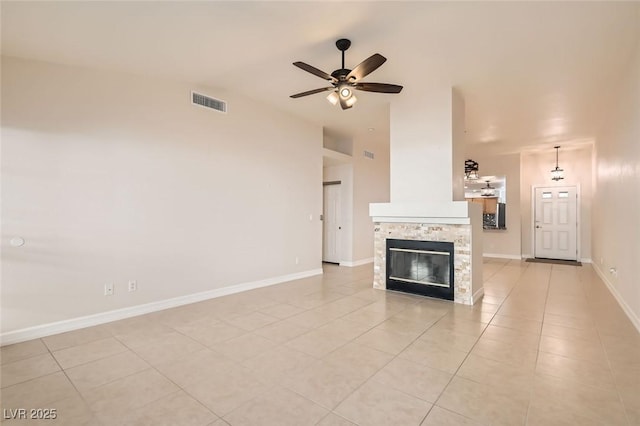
344 80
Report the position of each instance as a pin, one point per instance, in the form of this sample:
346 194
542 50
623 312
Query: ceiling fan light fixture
345 92
333 98
344 81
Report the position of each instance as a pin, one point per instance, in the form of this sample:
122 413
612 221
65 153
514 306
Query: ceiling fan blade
344 104
367 66
378 87
311 92
313 70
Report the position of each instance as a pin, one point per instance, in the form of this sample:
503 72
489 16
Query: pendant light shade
488 191
471 170
557 173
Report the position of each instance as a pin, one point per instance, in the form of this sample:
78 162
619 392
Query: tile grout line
473 346
413 341
153 367
332 410
609 364
86 403
535 367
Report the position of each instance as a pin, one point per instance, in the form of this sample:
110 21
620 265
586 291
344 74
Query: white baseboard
477 295
528 256
44 330
502 256
635 320
357 262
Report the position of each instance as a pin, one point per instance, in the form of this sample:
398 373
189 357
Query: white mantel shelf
452 212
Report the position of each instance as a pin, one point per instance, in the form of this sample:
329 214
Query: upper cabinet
489 204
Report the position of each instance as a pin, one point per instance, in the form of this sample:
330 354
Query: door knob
538 226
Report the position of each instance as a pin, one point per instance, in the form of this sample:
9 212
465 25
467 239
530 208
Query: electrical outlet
108 289
297 261
133 285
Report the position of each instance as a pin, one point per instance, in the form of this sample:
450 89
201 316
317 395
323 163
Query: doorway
556 222
331 221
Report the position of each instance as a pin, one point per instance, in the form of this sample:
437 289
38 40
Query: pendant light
557 173
471 170
487 191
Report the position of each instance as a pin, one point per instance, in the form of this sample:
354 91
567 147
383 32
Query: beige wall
536 171
506 243
370 185
421 146
616 205
111 177
364 181
458 144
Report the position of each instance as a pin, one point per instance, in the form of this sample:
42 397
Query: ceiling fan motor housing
341 74
343 44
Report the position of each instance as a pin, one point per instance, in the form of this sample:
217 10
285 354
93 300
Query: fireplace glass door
421 267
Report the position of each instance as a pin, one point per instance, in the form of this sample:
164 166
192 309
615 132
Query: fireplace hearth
420 267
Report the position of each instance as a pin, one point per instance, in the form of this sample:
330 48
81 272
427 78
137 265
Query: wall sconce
557 173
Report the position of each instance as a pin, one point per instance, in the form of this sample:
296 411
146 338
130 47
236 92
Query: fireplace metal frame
436 291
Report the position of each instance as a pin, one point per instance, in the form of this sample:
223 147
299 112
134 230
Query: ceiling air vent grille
208 102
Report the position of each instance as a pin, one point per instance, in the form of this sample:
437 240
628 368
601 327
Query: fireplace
421 267
458 223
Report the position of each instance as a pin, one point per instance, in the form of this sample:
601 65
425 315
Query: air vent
208 102
369 155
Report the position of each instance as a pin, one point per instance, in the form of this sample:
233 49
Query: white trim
583 260
502 256
578 216
337 218
427 220
635 320
356 262
477 295
44 330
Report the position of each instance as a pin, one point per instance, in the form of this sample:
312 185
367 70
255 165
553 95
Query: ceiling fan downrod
342 45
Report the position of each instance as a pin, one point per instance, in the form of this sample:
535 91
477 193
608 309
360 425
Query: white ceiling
532 74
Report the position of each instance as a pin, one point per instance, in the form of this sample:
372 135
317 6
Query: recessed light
371 129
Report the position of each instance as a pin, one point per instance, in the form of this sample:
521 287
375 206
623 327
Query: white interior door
331 224
556 230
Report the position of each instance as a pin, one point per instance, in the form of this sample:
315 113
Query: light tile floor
548 345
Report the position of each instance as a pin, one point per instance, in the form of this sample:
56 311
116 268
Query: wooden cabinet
489 204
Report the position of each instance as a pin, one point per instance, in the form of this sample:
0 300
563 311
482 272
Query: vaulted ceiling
532 73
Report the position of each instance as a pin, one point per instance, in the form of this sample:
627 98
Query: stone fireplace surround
457 222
